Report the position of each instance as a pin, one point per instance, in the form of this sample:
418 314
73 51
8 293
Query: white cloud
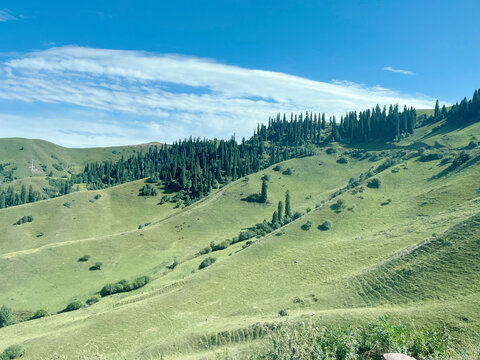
400 71
6 15
170 96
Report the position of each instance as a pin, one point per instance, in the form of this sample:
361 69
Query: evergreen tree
275 218
280 211
288 210
437 110
264 195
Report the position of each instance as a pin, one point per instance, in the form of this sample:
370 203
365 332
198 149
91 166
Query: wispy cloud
6 15
166 97
400 71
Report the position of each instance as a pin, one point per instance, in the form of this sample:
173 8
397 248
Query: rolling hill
406 245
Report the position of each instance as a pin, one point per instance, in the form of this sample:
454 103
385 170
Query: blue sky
96 73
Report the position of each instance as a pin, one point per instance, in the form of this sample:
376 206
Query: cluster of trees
194 166
10 197
465 112
124 286
375 124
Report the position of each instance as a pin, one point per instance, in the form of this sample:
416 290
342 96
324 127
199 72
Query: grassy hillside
406 248
18 154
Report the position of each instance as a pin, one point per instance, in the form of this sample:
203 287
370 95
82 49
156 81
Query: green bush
374 183
342 160
97 266
287 171
40 313
147 190
74 305
326 225
206 262
339 205
307 226
12 352
5 316
430 157
98 196
125 286
94 299
173 265
277 168
84 258
283 312
297 215
367 342
24 219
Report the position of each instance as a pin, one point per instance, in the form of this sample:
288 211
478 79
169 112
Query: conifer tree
288 210
280 211
264 195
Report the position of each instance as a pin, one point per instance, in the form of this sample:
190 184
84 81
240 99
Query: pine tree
275 218
280 211
264 195
288 210
437 110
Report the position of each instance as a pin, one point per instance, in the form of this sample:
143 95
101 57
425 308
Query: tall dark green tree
288 209
280 211
264 193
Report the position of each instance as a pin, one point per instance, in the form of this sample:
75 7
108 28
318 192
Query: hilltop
383 227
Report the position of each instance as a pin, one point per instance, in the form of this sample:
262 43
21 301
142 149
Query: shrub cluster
287 171
97 266
84 258
366 342
338 206
24 220
94 299
342 160
206 262
307 226
430 157
12 352
5 316
40 313
74 305
147 190
125 286
277 168
374 183
326 225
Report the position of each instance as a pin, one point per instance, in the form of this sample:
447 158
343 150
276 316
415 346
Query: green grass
379 257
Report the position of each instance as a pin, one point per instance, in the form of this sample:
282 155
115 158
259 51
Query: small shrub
331 150
40 313
97 266
93 300
287 171
173 265
374 183
125 286
297 215
342 160
5 316
277 168
326 225
84 258
307 226
283 312
206 262
339 205
147 190
74 305
12 352
98 196
265 177
24 219
430 157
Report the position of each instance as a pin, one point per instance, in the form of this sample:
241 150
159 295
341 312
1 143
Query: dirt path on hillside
186 211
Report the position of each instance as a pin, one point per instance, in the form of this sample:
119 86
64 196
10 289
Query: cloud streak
400 71
171 96
6 15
